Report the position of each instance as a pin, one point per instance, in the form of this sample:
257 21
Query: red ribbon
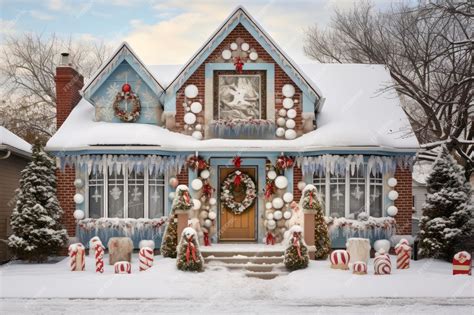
237 180
191 250
207 242
270 240
296 243
269 189
237 161
207 190
186 196
239 65
310 198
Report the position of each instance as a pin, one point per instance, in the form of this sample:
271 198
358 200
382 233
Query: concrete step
250 266
265 275
245 259
249 253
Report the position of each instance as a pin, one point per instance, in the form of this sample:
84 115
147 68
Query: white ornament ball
234 46
271 224
207 223
226 54
393 195
301 185
290 124
269 215
288 103
213 201
205 174
245 46
392 182
212 215
277 203
197 135
287 215
281 182
198 127
196 107
392 211
171 195
291 113
282 112
290 134
196 184
382 244
271 175
253 56
78 183
277 215
196 204
191 91
288 90
78 198
288 197
280 132
79 214
268 205
281 122
203 215
189 118
173 182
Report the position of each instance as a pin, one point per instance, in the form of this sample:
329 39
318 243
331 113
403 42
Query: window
357 192
337 199
320 184
375 195
135 194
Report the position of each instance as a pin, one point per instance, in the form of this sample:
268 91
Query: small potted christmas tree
296 254
189 255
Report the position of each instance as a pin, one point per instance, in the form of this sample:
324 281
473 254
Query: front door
238 227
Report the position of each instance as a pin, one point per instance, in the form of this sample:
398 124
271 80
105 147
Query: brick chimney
68 84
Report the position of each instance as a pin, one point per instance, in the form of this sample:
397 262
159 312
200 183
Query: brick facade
404 203
297 177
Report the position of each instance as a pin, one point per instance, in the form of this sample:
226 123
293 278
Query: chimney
68 84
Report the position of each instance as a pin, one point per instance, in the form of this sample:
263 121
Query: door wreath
245 185
127 95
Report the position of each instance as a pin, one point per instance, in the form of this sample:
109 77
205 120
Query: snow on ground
426 284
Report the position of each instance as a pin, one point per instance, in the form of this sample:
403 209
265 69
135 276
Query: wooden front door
238 227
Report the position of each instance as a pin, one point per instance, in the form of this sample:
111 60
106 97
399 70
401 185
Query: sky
167 31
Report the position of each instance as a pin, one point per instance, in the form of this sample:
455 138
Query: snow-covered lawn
427 280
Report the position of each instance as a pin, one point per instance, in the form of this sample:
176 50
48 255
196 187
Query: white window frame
125 210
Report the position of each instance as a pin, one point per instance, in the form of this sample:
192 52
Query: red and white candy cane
340 259
403 252
123 267
99 258
145 258
359 267
77 257
382 265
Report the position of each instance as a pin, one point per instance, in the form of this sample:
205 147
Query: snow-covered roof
11 140
360 112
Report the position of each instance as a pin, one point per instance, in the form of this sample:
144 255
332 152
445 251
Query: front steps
262 263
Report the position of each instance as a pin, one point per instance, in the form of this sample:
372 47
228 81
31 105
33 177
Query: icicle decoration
247 128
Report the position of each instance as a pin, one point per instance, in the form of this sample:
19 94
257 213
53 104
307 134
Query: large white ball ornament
78 183
189 118
269 215
288 103
173 181
79 214
290 134
171 195
392 211
197 135
196 184
196 204
287 215
226 54
78 198
280 132
282 112
253 56
245 46
205 174
301 185
281 122
271 225
277 215
268 205
291 113
212 201
393 195
234 46
379 244
191 91
392 182
281 182
207 223
212 215
288 90
198 127
290 124
196 107
203 215
288 197
272 175
277 203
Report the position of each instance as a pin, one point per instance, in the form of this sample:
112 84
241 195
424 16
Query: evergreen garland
36 218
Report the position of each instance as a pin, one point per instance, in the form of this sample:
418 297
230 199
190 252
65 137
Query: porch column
182 221
308 231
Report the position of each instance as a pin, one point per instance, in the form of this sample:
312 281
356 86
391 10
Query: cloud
39 15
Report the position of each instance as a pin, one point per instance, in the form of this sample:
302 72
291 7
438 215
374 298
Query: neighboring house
240 95
15 153
421 170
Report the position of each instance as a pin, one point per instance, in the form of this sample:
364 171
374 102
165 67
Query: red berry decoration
126 88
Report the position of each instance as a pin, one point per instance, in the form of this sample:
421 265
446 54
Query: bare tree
27 68
428 50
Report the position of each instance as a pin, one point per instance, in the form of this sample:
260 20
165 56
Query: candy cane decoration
122 267
403 251
340 259
77 257
99 258
92 245
359 268
145 258
382 266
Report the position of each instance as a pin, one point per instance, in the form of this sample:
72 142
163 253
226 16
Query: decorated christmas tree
189 256
447 220
296 254
35 221
182 201
321 234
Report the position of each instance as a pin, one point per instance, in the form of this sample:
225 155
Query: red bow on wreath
237 179
207 190
239 65
284 162
237 161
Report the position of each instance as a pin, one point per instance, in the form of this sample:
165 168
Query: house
15 153
239 108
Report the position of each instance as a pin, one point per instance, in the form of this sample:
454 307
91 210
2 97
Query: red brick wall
65 193
404 203
183 176
297 176
198 77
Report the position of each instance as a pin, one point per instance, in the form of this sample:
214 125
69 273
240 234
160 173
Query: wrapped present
462 263
340 259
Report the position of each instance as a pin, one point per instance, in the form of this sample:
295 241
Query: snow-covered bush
35 221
